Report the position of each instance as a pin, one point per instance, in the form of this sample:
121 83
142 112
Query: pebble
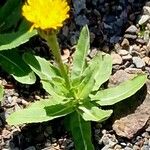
123 52
140 41
146 10
139 63
146 36
133 70
130 36
125 44
143 19
116 59
128 148
127 57
81 20
136 48
135 147
78 6
132 29
145 147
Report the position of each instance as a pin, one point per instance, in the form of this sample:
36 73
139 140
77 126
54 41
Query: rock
106 147
127 148
116 59
145 147
79 5
93 52
140 41
81 20
146 36
143 19
148 46
123 52
65 31
127 57
139 63
125 44
132 29
114 39
66 54
119 77
146 60
135 147
133 71
136 48
129 125
146 10
130 36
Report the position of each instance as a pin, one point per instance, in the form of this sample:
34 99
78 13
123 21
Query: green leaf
55 89
13 63
89 112
1 92
81 53
41 111
15 39
103 71
86 86
81 132
43 68
10 13
116 94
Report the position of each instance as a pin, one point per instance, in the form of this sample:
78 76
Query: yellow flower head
46 14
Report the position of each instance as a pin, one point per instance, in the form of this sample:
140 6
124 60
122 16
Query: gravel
117 27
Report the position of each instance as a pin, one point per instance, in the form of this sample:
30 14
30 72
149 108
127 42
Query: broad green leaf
43 68
55 89
40 111
1 92
116 94
81 53
89 112
103 71
15 39
81 132
13 63
10 13
86 86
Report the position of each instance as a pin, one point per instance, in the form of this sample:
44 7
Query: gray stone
81 20
127 57
79 5
106 147
146 10
145 147
146 35
127 148
148 130
114 39
139 63
130 36
132 29
143 19
123 52
133 71
140 41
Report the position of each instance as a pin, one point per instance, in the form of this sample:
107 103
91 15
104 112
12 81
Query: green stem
53 44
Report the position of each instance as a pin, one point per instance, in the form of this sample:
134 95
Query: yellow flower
46 14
